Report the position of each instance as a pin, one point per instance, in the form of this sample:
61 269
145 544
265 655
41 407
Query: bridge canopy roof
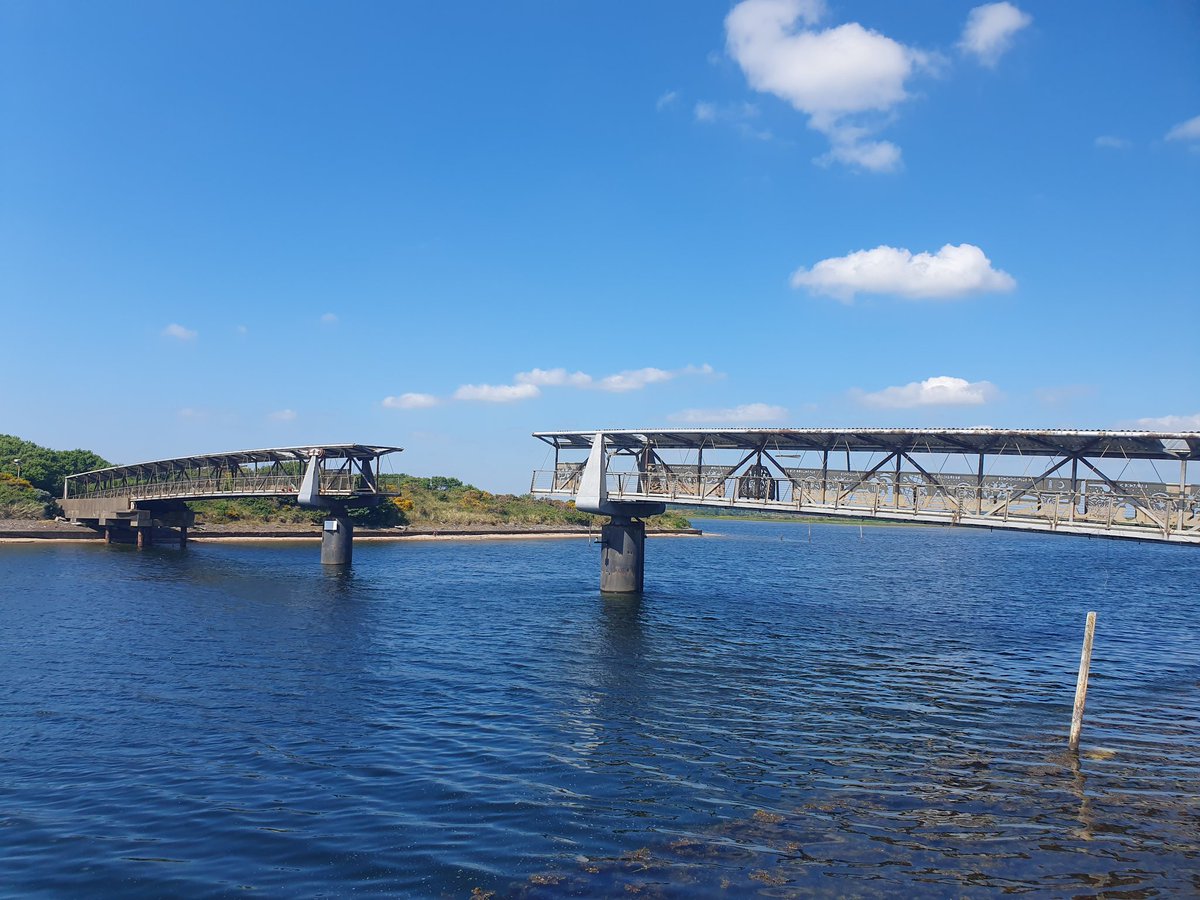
239 457
998 441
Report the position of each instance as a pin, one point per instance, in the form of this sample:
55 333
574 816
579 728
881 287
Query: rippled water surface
778 715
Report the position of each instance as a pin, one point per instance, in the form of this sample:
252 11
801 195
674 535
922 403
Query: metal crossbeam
347 472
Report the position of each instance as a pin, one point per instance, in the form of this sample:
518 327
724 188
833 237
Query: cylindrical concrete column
337 541
144 538
622 556
182 535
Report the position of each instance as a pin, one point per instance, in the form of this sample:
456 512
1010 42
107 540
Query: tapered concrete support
337 541
622 556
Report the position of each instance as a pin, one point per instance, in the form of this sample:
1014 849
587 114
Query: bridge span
130 502
1119 484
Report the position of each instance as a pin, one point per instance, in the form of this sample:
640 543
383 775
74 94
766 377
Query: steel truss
347 472
1071 488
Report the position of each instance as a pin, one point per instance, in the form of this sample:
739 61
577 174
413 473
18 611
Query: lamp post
17 460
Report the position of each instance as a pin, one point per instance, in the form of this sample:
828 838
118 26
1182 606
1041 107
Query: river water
786 712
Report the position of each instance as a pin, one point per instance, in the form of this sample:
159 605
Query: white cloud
666 100
989 31
1185 131
329 319
636 379
941 390
633 379
192 415
1171 423
618 382
410 401
554 378
527 385
177 331
283 415
241 330
747 412
954 271
497 393
738 115
846 78
1109 142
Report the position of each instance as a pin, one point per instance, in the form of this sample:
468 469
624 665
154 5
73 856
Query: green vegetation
437 502
21 500
448 502
42 467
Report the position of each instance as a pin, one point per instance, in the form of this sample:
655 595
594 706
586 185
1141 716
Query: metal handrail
1153 509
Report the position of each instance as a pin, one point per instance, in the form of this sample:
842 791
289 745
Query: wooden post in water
1085 663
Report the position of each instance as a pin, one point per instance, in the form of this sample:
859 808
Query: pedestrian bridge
1123 484
150 495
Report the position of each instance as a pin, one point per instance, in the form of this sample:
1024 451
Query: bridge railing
332 484
1156 509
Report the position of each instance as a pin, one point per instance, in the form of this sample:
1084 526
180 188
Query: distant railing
332 484
1154 510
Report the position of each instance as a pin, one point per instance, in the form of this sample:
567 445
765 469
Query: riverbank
17 530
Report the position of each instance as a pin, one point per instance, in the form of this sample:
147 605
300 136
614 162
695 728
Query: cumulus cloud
283 415
554 378
1109 142
989 31
496 393
1185 131
846 79
410 401
665 100
1171 423
941 390
329 319
618 382
636 379
746 413
529 384
177 331
954 271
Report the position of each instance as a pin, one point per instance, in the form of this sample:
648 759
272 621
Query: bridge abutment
623 556
337 540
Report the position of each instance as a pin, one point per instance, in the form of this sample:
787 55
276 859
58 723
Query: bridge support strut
337 540
622 556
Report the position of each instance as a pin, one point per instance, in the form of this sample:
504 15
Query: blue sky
227 225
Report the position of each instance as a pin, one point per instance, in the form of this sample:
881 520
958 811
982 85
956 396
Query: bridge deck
1052 481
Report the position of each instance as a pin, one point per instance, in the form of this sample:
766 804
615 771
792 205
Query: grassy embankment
437 502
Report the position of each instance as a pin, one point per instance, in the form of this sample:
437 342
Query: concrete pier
337 540
622 556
